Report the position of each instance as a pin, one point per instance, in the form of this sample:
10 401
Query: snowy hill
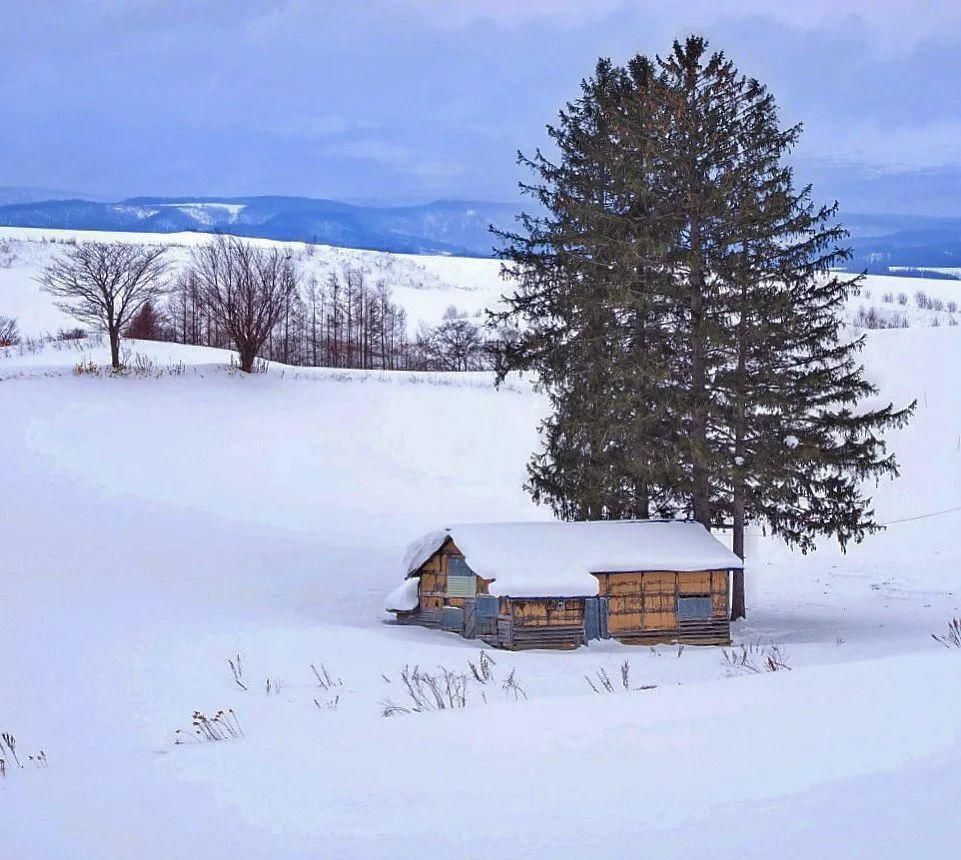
424 285
159 523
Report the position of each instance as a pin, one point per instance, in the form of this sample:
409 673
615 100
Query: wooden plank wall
643 606
540 622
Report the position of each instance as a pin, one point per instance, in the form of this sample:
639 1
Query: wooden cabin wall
643 605
547 612
545 622
432 589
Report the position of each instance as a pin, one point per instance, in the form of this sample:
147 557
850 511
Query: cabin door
470 619
595 618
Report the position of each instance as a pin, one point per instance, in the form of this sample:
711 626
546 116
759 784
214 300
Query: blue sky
410 100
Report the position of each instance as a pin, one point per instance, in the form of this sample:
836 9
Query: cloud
400 157
894 25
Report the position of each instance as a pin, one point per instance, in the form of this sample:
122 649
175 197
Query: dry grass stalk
951 639
755 658
222 726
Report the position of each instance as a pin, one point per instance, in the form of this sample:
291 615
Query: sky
412 100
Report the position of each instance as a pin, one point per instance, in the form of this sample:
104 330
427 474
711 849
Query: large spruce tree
678 302
582 303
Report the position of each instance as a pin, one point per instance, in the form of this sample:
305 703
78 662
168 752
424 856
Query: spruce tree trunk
737 586
740 431
701 487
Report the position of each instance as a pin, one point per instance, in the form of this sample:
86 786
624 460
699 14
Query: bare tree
455 344
247 290
9 336
105 284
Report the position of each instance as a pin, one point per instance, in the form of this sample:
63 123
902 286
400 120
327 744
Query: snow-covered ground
156 524
425 286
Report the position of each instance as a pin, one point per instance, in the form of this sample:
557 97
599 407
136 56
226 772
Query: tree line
254 299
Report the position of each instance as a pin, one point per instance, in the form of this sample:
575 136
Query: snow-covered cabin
559 585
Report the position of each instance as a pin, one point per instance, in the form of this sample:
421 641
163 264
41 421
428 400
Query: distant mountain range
880 242
441 227
885 242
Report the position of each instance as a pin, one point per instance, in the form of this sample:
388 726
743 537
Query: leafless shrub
237 670
447 689
222 726
87 367
444 691
512 688
482 670
755 658
871 318
887 298
9 741
143 365
9 335
66 334
8 253
324 679
902 298
952 307
952 638
456 344
602 683
922 300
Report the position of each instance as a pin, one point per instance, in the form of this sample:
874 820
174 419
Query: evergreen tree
678 304
582 305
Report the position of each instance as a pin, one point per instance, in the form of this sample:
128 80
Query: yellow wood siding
547 613
433 580
647 600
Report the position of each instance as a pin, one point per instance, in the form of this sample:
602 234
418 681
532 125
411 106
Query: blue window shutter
694 608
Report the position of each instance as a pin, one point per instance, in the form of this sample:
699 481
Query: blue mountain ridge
880 242
440 227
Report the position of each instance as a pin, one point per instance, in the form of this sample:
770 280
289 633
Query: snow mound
403 598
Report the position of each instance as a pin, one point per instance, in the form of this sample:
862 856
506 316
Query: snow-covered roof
553 559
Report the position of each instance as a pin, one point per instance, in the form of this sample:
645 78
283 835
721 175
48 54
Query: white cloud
404 158
894 25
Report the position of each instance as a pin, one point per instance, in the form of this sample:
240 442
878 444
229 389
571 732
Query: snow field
154 525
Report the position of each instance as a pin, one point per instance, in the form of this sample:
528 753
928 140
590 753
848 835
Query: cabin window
694 608
560 606
461 581
457 566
